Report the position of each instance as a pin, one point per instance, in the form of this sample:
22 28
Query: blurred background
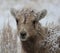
9 42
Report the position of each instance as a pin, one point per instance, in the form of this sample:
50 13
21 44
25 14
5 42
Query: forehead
27 15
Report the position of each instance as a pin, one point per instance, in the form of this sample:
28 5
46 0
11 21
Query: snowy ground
52 6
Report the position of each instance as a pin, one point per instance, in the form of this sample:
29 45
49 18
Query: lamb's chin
23 39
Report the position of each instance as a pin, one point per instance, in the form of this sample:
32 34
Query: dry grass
8 40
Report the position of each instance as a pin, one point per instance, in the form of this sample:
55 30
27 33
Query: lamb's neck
29 44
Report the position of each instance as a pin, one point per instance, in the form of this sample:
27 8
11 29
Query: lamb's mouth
23 39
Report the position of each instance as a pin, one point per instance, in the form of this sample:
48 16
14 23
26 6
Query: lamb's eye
16 21
34 22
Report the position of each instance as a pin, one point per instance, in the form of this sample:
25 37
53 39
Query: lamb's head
27 22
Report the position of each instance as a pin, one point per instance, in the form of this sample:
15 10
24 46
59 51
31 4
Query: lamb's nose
23 35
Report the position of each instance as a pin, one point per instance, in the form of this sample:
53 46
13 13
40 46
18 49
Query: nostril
23 34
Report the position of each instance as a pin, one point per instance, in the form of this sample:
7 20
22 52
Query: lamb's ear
41 14
14 12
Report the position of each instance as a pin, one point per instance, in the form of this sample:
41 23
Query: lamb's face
27 23
27 26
